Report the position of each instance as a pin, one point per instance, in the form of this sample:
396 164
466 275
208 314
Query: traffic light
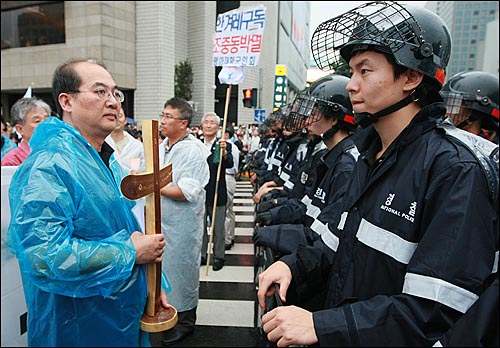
250 97
254 97
247 97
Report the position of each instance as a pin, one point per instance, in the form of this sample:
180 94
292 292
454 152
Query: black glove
260 235
266 197
274 193
256 236
264 218
268 204
263 206
282 239
292 212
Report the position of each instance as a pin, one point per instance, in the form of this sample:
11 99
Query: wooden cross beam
148 184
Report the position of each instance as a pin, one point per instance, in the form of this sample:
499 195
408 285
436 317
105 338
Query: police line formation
376 216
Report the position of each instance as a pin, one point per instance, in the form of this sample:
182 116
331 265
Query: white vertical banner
238 42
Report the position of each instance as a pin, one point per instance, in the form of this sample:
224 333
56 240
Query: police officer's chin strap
364 119
329 133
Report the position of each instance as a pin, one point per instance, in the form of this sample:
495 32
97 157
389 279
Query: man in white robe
183 208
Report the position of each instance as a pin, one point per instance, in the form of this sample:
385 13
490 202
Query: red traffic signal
250 97
248 93
247 97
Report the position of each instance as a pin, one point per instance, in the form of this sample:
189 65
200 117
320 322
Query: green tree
342 68
183 84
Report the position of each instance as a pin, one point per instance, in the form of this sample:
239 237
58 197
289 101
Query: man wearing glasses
216 189
80 250
183 208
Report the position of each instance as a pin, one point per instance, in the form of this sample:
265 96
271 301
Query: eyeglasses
105 94
167 116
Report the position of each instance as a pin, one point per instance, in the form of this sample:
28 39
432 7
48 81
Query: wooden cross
135 186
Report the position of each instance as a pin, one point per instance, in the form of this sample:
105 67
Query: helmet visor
384 25
453 102
455 108
301 110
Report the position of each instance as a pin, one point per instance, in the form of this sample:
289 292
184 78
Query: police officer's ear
413 79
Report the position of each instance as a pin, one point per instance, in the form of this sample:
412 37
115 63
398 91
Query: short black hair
230 130
183 106
66 79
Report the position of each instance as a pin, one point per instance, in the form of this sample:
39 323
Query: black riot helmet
470 96
326 97
415 37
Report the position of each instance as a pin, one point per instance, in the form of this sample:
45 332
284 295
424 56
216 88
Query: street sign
280 87
259 115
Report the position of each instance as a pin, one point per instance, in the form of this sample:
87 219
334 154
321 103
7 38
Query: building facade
141 43
474 32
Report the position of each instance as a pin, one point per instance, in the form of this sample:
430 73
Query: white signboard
238 37
14 310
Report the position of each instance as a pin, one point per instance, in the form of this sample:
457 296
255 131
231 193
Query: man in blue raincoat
80 250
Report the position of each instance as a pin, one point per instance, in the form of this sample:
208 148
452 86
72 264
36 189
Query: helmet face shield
453 102
454 110
470 96
301 109
307 109
380 24
327 98
304 105
417 38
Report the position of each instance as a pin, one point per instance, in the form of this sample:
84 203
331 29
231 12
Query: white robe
133 149
182 221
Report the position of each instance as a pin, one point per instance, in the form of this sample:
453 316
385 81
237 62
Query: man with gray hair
27 114
210 127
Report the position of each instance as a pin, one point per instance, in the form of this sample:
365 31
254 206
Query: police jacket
275 152
262 159
418 237
294 154
332 174
315 150
478 327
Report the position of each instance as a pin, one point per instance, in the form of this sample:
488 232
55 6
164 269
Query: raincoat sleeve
165 284
59 258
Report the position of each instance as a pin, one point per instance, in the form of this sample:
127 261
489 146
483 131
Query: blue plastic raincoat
182 221
70 231
8 145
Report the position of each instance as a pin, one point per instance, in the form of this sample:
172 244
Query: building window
33 25
474 27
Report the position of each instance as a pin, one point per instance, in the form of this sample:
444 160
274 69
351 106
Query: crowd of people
377 196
